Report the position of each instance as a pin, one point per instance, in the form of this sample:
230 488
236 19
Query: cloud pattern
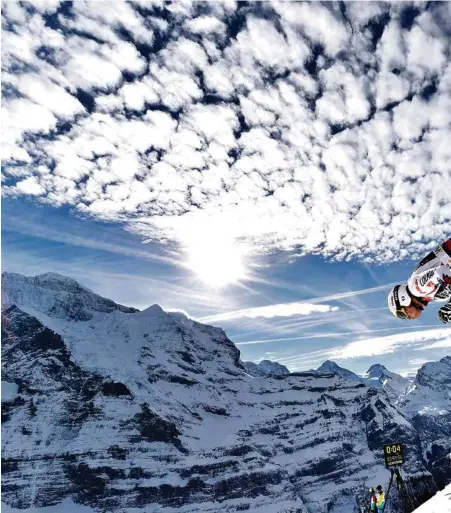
309 127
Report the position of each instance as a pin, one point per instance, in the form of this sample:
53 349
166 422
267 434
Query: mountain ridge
151 409
56 296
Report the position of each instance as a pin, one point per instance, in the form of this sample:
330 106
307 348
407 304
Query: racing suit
431 279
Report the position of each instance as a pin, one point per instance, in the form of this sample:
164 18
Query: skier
363 506
380 504
430 281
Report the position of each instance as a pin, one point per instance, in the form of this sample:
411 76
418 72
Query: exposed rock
427 404
265 368
151 410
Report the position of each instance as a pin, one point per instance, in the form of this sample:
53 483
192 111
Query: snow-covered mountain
56 296
121 410
394 384
265 368
377 376
331 367
427 404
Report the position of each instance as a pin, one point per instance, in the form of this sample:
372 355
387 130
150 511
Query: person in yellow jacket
380 503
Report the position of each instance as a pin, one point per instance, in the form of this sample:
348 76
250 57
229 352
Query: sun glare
217 262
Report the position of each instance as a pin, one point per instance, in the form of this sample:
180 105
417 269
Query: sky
271 168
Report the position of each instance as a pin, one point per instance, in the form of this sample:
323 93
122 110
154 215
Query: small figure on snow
430 281
373 500
363 507
380 503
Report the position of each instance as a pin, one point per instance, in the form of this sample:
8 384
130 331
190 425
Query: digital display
394 454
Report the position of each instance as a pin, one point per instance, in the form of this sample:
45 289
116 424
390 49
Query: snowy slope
331 367
127 411
440 503
427 404
394 384
377 376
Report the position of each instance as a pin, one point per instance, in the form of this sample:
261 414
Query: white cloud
442 344
392 343
206 25
136 94
263 44
359 350
345 99
101 22
304 148
425 53
270 311
87 70
30 186
390 88
418 361
319 23
21 116
49 95
390 49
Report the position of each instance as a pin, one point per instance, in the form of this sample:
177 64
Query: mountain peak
394 384
56 280
265 368
376 370
333 368
48 280
153 311
329 365
51 276
55 295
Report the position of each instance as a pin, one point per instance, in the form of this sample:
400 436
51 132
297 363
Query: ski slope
440 503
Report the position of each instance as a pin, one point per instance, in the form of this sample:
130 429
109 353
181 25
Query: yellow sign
394 454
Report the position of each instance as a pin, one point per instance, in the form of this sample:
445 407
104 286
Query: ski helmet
398 299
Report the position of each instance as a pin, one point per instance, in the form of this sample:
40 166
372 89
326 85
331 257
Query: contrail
328 335
265 310
337 316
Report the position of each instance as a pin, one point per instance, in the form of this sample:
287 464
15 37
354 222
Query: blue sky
267 167
118 265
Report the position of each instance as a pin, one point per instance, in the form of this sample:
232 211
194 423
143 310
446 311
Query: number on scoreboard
394 454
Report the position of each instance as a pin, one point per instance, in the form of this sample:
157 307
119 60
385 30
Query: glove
444 314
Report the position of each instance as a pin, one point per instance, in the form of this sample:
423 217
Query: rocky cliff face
427 404
118 409
265 368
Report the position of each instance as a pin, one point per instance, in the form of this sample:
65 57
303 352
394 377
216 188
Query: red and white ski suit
431 280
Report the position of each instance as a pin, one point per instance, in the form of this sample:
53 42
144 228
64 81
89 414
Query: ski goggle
401 313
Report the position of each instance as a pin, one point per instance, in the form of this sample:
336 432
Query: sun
217 261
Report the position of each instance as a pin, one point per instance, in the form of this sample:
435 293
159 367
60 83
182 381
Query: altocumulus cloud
295 126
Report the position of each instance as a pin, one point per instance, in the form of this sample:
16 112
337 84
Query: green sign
394 454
